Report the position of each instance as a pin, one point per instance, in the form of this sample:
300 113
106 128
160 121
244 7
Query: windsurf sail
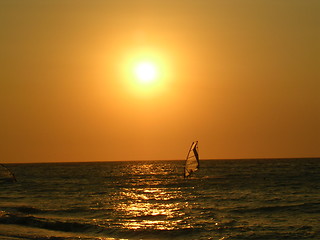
6 175
192 160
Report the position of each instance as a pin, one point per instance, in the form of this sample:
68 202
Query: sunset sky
240 76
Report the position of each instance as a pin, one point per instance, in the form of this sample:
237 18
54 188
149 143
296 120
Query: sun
146 72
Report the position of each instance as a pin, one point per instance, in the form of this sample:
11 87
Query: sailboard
192 160
6 175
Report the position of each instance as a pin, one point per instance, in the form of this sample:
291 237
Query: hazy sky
240 76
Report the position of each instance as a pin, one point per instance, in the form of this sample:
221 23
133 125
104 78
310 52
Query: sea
225 199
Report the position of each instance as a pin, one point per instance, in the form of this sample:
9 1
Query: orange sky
241 77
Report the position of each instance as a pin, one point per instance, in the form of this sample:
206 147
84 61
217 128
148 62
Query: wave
84 229
187 229
31 221
303 207
105 229
38 211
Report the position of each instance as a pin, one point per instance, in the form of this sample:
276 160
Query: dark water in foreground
243 199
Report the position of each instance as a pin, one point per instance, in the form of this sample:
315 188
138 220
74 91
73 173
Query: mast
6 174
192 160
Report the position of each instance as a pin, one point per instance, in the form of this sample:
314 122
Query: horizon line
155 160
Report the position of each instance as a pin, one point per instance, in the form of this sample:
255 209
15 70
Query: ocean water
225 199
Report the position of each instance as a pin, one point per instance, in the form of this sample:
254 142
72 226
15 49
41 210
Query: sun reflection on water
148 208
144 200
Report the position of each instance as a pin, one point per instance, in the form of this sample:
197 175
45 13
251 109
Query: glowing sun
146 72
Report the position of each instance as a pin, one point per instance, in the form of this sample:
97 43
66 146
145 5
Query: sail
192 160
6 175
